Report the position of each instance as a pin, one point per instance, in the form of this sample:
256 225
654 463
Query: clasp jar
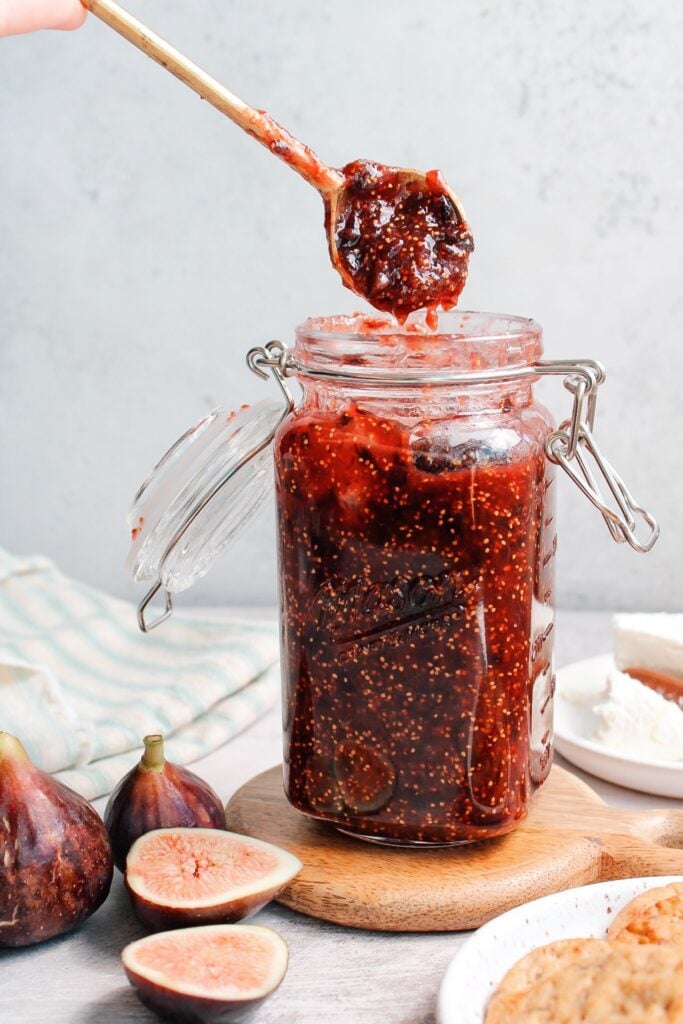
416 541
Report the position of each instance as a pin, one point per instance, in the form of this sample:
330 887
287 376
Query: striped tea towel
80 685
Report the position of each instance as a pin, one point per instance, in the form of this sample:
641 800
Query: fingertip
20 16
75 17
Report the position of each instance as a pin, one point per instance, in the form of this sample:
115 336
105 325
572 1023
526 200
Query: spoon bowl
398 237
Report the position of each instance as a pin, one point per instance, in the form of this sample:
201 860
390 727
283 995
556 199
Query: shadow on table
104 935
120 1007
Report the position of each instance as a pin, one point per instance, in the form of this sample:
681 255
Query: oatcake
632 985
538 965
655 916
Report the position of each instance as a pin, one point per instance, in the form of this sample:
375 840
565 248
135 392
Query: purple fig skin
158 918
185 1009
158 794
56 864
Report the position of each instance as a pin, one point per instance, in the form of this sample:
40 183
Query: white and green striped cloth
80 685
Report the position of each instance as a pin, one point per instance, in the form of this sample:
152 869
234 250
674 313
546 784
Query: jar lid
204 490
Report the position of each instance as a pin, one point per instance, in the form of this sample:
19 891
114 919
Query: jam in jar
416 549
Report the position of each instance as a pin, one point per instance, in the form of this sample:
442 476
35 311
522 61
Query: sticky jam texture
401 243
417 588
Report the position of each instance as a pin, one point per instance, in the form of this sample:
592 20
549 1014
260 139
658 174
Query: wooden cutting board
571 837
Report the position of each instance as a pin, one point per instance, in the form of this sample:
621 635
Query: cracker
538 965
638 985
632 985
656 916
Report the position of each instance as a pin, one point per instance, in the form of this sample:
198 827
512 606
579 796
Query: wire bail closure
274 357
572 446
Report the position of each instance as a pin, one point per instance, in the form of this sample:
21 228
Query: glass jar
416 543
416 547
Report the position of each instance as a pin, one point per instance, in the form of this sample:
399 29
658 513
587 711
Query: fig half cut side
213 973
178 877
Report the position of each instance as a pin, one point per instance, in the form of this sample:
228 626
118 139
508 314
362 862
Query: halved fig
212 973
183 876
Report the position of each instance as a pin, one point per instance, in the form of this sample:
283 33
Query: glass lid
204 490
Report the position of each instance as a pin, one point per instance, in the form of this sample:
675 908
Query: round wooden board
571 837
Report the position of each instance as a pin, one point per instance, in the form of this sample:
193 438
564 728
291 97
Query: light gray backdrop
146 243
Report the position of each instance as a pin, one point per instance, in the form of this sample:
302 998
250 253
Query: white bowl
575 723
479 965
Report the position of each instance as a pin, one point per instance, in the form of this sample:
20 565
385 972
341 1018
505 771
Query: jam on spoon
398 237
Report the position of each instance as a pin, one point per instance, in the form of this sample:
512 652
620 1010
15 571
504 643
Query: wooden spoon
365 248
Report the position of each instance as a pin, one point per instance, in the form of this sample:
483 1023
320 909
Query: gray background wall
145 243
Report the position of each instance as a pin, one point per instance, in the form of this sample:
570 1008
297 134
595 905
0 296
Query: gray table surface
336 974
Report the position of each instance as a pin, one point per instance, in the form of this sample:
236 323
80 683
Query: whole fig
158 794
55 858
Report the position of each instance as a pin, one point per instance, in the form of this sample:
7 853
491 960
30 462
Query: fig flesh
177 877
158 794
55 858
213 973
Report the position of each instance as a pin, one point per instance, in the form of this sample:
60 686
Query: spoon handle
256 123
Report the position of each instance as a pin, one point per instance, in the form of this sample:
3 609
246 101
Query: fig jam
416 544
401 242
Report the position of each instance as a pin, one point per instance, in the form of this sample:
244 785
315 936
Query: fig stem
12 750
153 758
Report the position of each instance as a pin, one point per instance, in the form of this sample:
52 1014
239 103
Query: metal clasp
147 625
574 448
276 358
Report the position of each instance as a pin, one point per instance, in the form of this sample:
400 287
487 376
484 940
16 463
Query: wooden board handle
651 843
626 858
662 827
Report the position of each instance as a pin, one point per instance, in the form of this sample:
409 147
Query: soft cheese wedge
649 640
636 721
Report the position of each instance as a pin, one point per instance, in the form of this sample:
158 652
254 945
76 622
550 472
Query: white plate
575 723
479 965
